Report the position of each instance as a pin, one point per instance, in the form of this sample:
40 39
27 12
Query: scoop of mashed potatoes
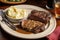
16 13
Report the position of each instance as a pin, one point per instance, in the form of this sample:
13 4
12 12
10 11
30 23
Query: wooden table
40 3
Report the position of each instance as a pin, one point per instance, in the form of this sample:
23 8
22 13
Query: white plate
48 31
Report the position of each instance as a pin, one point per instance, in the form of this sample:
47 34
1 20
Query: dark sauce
20 30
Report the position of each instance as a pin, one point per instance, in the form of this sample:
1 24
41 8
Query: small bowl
13 19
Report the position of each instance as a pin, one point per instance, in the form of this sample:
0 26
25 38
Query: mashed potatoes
16 13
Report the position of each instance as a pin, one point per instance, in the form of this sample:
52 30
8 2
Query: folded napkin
55 35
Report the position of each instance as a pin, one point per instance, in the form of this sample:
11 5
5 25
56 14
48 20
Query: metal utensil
2 18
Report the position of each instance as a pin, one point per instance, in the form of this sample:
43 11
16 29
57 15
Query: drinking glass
57 8
50 4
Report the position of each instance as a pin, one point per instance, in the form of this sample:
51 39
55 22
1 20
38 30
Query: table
40 3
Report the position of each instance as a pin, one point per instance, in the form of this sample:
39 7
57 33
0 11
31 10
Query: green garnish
14 0
17 0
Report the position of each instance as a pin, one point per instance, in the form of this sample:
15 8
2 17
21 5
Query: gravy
22 31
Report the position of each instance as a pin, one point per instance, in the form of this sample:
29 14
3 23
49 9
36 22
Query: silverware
2 18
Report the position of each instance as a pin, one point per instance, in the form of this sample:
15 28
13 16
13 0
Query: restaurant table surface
40 3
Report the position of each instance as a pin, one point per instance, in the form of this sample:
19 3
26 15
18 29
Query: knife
2 18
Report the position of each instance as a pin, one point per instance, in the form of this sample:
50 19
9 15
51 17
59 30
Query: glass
50 4
57 8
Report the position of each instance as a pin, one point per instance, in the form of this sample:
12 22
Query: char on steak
33 26
41 16
36 21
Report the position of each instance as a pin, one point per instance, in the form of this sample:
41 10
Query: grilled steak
33 26
36 21
40 16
